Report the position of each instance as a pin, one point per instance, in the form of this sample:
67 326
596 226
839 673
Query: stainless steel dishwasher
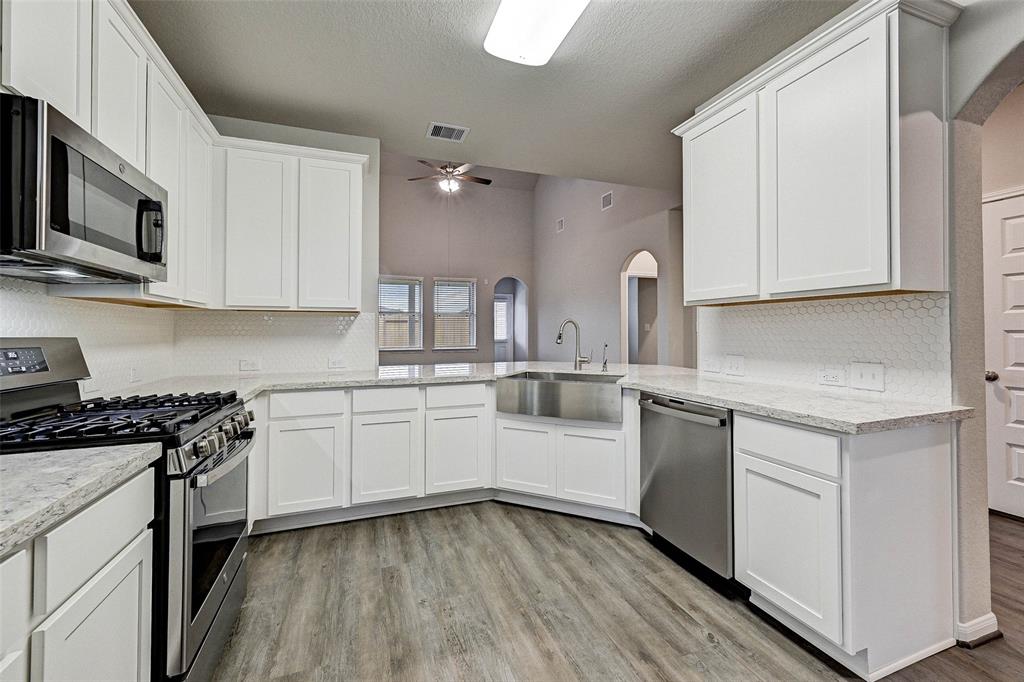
686 478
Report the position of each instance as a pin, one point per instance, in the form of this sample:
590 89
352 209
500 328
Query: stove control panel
22 361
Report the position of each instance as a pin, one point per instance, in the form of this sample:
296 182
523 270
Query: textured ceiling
629 71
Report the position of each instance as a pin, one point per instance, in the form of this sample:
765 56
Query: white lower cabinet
526 456
387 455
458 452
591 466
787 541
306 464
102 632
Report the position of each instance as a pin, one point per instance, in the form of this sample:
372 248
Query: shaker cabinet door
720 206
119 86
825 167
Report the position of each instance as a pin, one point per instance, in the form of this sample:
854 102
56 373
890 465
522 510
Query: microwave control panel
22 361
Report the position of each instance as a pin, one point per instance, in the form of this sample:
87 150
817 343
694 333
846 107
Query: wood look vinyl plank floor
491 591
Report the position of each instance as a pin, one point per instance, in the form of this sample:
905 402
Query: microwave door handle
227 466
146 207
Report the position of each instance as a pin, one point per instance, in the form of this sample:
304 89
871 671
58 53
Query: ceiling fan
450 176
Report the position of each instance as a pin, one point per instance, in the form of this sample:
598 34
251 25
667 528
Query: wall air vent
447 131
606 201
560 225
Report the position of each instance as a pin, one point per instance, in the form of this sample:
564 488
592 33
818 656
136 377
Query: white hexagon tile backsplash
789 342
115 338
214 342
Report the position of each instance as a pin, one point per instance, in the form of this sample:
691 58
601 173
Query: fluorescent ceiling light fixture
529 31
449 185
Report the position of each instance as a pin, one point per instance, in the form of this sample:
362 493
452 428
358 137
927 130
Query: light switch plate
711 364
248 365
133 375
869 376
734 365
335 363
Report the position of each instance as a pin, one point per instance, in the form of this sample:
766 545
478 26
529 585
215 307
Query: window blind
500 320
454 313
400 313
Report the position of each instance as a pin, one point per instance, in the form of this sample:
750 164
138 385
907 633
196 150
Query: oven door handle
228 465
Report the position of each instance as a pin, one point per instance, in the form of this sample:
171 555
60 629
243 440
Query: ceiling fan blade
471 178
462 169
429 165
424 177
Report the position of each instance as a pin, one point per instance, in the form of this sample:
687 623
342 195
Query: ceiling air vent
447 131
560 225
606 201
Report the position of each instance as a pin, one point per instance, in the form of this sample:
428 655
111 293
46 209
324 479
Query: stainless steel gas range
200 523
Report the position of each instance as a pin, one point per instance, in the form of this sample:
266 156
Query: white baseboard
364 511
977 628
910 660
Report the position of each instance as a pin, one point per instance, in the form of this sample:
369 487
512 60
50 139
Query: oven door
212 518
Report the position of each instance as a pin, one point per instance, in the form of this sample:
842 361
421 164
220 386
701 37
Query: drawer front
16 601
456 395
385 399
70 554
306 403
818 452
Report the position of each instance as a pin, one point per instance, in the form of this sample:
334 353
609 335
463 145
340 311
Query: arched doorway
639 314
511 320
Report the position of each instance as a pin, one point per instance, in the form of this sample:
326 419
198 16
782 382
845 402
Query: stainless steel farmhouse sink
594 397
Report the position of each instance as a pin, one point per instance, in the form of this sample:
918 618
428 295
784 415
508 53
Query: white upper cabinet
825 189
165 128
824 171
720 195
198 184
293 226
119 86
47 54
330 234
260 228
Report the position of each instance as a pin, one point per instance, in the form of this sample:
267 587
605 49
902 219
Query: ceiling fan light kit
449 176
529 31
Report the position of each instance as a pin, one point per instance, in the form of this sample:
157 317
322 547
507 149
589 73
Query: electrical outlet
832 375
711 364
90 385
133 375
869 376
248 365
734 365
335 363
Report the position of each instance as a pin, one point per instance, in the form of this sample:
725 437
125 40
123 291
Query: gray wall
271 132
987 33
577 271
1002 145
491 236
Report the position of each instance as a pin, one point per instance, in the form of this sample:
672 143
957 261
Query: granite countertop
40 489
842 410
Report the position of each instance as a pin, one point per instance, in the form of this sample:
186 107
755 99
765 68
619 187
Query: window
455 314
500 319
400 313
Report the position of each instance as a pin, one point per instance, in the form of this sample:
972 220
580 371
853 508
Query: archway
511 320
639 309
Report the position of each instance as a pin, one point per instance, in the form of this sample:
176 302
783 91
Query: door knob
991 376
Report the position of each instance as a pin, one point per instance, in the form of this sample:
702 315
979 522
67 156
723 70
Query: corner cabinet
823 173
292 221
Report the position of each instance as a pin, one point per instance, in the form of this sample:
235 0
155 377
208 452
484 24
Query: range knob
250 417
240 420
206 446
231 429
221 440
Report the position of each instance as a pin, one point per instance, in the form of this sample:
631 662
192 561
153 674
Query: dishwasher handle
686 415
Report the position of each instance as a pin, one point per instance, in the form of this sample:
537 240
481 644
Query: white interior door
1004 352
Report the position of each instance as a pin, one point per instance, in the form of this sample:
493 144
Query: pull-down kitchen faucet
579 360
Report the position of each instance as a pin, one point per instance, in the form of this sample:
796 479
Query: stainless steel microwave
72 210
